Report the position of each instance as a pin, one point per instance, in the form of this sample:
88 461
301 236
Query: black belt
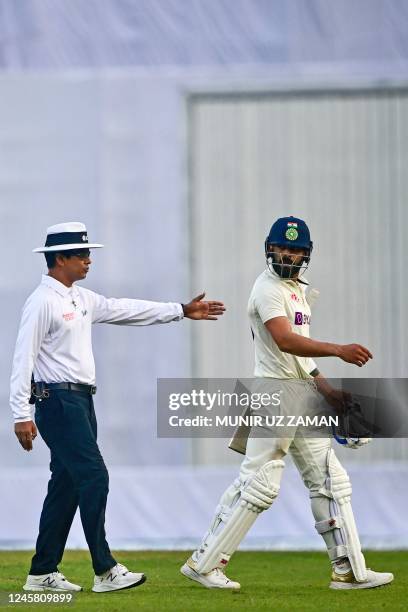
41 388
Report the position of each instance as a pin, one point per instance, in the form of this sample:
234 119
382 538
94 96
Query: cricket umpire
54 364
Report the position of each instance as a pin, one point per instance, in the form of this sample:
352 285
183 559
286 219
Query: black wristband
314 373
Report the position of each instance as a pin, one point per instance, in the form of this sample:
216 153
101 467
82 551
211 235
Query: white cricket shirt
54 339
272 297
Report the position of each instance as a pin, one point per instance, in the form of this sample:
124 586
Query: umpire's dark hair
51 257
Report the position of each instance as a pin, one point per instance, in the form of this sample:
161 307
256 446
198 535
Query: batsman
279 312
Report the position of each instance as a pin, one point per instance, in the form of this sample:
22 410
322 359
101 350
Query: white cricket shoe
347 581
216 579
117 578
50 582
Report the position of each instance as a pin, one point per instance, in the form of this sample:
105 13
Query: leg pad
257 494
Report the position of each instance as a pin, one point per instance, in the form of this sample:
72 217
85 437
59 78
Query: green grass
269 581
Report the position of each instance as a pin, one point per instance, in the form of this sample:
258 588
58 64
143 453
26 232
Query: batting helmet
288 232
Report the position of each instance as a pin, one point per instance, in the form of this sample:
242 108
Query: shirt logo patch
293 296
302 319
68 316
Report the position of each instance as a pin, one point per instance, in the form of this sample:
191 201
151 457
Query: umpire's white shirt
54 340
272 297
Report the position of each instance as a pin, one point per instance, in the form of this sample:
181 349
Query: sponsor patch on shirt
302 318
68 316
293 296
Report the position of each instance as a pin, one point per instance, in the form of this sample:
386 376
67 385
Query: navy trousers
67 423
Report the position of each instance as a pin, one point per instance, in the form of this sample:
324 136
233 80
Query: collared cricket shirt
54 340
272 297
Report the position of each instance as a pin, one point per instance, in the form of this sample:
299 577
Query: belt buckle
44 393
93 390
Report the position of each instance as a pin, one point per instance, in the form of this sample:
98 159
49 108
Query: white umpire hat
66 236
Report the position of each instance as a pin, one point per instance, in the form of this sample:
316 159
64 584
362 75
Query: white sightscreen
338 160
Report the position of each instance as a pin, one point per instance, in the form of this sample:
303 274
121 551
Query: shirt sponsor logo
68 316
293 296
302 318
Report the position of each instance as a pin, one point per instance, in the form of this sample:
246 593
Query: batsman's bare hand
26 432
200 309
355 353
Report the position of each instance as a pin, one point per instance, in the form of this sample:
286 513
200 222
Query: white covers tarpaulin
172 507
82 140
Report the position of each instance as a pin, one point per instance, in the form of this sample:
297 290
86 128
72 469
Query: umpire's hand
197 309
26 432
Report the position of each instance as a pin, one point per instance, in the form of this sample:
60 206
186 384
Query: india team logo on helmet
293 233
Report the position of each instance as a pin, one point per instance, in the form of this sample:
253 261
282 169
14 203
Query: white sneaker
215 579
347 581
117 578
50 582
